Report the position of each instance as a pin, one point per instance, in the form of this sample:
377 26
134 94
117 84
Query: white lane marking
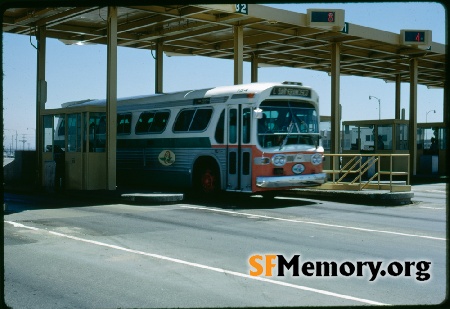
16 224
440 208
252 216
435 191
216 269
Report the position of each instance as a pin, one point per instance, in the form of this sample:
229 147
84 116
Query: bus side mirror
258 113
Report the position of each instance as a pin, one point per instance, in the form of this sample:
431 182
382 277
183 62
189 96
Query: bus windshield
287 123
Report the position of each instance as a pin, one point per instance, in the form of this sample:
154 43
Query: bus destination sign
299 92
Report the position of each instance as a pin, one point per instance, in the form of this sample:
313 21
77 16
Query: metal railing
364 171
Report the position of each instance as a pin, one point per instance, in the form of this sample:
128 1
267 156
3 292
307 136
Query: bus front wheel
207 179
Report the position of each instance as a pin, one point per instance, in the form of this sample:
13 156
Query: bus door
239 149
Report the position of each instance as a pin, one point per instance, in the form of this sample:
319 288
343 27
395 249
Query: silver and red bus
253 138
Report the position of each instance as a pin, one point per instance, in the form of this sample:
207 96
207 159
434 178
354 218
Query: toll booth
325 138
431 148
74 148
386 136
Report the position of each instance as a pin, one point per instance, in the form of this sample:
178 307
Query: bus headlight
298 168
316 159
279 160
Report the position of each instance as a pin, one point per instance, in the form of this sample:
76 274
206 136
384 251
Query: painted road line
427 207
253 216
215 269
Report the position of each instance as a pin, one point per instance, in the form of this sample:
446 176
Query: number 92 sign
241 8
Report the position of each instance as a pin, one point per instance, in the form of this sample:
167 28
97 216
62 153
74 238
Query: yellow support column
41 98
412 132
238 54
159 68
111 99
335 94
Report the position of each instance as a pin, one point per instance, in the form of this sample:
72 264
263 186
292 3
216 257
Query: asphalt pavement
71 252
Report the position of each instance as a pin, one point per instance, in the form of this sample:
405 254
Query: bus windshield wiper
294 121
290 128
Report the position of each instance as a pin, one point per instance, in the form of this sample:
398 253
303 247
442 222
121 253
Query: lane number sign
242 8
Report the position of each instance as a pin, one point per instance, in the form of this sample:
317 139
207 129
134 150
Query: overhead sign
242 8
415 37
326 18
345 29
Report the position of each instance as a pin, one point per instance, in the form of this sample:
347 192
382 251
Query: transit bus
253 138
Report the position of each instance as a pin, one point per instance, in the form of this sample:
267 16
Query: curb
375 198
153 197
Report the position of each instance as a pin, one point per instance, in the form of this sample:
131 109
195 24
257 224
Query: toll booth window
427 138
152 122
220 128
325 134
442 138
74 133
59 133
352 138
123 124
61 126
48 133
192 120
97 132
401 137
384 138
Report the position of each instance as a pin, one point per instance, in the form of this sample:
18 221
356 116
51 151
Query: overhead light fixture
173 54
75 42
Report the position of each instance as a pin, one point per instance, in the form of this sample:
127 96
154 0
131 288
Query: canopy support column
254 75
159 68
335 94
397 96
41 96
111 99
412 132
238 54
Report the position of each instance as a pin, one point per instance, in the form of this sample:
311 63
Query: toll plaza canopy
271 37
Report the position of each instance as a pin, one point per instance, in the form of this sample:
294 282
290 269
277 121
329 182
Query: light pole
426 121
34 136
379 106
426 116
11 138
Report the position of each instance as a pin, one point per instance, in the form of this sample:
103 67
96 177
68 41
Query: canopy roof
276 37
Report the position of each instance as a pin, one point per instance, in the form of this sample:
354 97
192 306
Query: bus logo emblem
166 157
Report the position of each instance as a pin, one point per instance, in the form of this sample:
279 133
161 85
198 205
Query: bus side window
159 122
220 128
201 119
233 125
183 120
191 120
143 122
123 123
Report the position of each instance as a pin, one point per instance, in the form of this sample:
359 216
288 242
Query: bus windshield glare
287 123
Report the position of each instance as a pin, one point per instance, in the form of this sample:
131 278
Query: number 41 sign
242 8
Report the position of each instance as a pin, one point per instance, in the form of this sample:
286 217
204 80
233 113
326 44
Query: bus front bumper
291 181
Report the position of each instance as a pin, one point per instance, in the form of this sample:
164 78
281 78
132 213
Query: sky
79 72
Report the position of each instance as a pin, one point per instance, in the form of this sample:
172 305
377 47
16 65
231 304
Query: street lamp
379 106
426 116
426 121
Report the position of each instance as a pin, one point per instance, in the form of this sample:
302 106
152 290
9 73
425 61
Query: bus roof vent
292 83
